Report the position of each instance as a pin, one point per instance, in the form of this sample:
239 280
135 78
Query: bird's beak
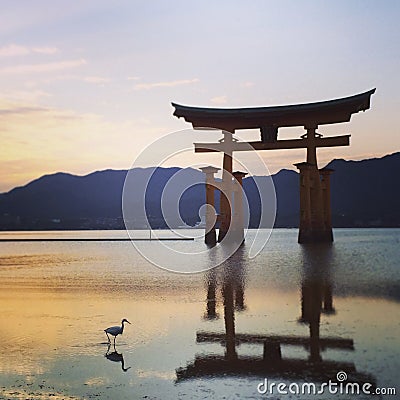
128 322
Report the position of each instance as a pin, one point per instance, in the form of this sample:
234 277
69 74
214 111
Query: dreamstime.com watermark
340 386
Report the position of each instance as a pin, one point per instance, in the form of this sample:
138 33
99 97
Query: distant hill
364 193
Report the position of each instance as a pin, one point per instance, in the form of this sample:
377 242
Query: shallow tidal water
293 314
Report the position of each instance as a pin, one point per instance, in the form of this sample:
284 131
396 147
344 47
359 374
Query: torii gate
315 210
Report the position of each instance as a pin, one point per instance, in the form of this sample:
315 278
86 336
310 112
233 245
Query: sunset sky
87 85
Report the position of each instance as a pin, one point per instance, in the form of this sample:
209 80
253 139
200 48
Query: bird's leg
108 349
108 337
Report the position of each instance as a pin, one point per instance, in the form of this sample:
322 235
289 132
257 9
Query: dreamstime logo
331 387
341 376
157 194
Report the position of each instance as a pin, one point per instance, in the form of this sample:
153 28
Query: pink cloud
46 67
153 85
13 50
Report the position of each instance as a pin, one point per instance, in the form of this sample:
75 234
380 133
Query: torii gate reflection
316 299
315 213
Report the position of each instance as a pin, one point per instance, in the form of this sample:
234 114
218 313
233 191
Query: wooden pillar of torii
210 235
315 211
231 218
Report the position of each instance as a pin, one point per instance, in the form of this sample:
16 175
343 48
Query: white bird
115 330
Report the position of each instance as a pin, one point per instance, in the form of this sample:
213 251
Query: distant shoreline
2 232
94 239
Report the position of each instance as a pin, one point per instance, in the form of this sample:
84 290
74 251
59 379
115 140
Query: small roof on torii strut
307 115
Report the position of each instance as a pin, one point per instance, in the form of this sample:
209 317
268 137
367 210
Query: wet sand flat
57 298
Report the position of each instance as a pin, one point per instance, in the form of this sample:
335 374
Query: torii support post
210 235
238 215
315 209
325 174
226 186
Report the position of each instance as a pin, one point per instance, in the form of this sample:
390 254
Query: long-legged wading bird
115 330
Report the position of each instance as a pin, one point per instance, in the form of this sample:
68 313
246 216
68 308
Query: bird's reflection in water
116 357
316 299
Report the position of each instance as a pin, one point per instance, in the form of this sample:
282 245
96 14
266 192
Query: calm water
293 314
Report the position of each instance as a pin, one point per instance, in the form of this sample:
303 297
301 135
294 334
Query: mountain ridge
363 194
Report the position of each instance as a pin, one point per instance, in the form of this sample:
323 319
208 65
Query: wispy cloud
16 109
147 86
45 50
25 95
20 110
45 67
219 100
13 50
96 79
133 78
